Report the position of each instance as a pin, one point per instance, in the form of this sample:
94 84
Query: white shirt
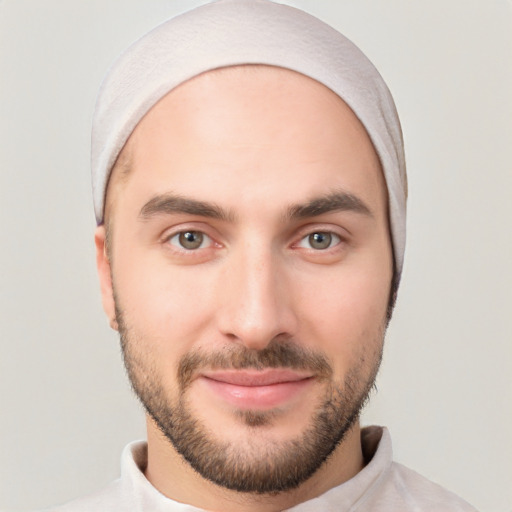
382 485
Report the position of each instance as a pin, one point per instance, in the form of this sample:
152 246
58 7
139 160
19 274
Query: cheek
346 316
163 322
165 306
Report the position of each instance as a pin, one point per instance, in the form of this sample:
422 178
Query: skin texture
287 266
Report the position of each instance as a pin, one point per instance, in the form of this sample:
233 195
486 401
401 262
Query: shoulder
122 494
394 487
403 489
109 498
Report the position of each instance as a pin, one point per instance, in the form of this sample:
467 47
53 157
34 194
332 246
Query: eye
320 240
190 240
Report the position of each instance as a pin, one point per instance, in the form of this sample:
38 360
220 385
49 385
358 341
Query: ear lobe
105 276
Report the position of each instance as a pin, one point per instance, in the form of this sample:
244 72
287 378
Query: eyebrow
170 203
166 204
338 201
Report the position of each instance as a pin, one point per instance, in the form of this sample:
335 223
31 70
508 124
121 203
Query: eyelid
183 227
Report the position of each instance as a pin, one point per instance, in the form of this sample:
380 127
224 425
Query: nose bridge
256 306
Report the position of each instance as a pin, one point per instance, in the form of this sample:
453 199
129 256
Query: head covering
235 32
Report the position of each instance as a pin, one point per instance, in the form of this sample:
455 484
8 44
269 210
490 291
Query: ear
105 275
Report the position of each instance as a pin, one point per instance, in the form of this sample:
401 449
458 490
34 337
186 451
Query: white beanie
235 32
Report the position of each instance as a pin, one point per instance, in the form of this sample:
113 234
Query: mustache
277 354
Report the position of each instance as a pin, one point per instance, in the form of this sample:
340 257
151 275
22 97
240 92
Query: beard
258 466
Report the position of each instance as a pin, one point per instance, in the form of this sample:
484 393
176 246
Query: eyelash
332 239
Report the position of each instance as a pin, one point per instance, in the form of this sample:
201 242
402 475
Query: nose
255 302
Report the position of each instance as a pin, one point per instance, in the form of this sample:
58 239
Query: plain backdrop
445 389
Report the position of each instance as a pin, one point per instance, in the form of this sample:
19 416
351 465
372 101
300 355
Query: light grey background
445 388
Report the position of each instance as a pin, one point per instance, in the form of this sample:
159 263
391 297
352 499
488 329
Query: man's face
251 267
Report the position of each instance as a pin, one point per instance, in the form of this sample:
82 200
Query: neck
168 472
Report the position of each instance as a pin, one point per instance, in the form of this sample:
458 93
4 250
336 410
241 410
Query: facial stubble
260 465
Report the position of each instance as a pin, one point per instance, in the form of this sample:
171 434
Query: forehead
231 90
242 124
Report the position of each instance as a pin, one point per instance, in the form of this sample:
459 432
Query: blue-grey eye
320 240
190 240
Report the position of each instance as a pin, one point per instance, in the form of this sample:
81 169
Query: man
249 187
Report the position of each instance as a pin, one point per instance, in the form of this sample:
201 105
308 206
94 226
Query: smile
252 389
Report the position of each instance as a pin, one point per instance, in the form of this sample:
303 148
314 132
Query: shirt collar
377 451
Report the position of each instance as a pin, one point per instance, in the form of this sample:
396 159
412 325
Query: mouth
257 390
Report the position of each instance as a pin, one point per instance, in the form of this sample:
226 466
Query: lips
253 389
256 378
